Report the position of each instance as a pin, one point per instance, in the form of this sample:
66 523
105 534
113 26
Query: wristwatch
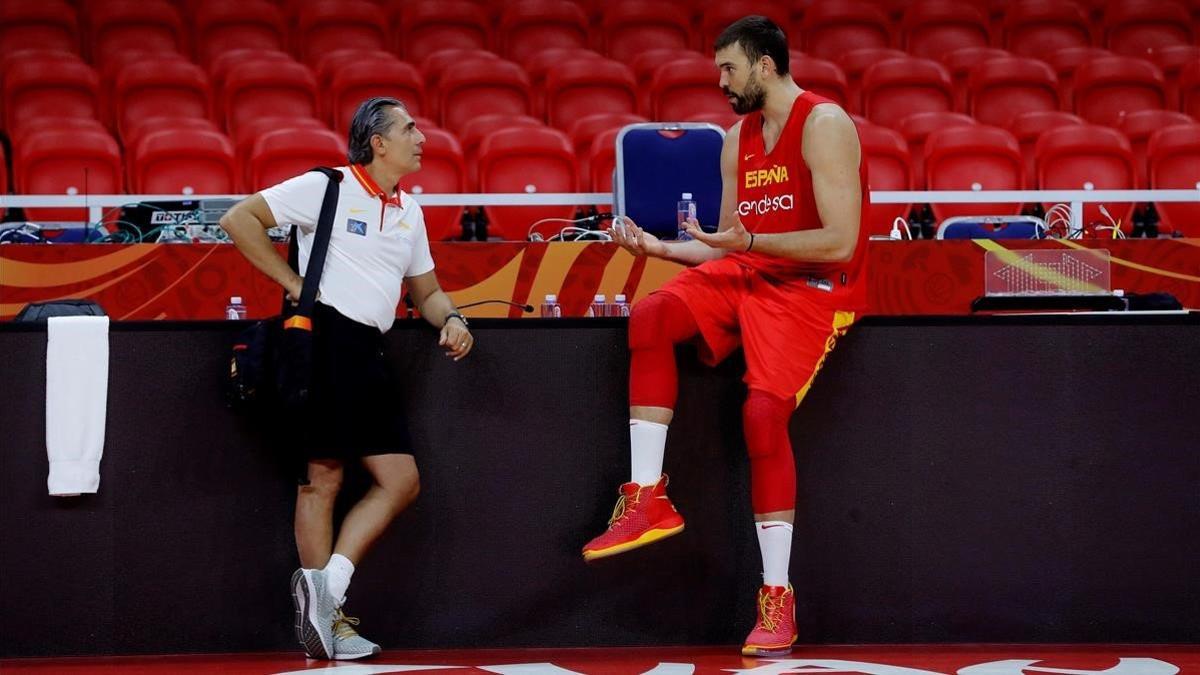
456 315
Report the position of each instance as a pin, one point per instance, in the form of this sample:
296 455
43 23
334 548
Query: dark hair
371 118
758 36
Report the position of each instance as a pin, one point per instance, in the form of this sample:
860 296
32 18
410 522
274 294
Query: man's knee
324 479
402 486
765 421
657 319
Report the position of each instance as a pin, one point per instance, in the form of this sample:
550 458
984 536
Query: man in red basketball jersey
782 277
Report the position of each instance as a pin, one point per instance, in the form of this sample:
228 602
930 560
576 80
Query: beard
751 98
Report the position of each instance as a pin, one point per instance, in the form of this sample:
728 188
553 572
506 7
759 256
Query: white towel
76 402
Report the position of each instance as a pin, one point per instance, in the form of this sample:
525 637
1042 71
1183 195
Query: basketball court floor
867 660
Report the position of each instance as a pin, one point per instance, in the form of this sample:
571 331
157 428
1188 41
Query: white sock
775 543
338 571
647 442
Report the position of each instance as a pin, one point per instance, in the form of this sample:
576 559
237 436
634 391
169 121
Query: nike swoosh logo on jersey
746 158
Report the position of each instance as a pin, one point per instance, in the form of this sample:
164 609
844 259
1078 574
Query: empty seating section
1087 157
228 96
530 160
975 157
38 24
1000 89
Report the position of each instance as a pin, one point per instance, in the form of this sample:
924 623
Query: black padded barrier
962 480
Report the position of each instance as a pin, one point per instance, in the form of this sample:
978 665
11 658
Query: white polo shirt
377 241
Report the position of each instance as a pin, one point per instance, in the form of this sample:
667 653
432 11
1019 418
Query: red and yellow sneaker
643 515
775 631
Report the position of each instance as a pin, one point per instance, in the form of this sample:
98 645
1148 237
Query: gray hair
371 118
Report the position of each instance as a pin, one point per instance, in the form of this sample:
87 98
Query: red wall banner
195 281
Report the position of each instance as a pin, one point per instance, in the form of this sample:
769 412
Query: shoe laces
770 610
623 507
343 626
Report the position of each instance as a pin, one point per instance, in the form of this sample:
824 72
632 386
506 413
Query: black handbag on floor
271 364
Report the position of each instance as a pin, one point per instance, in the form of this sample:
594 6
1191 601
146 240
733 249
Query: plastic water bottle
619 307
599 306
235 310
550 307
686 208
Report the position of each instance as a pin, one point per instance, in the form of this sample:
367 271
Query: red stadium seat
148 25
897 88
821 77
1141 27
1172 60
888 169
630 26
1174 164
479 87
916 128
432 25
684 88
479 128
932 28
854 63
159 88
284 153
183 125
645 64
175 162
38 24
49 87
833 27
538 65
249 133
526 160
66 161
715 16
585 130
223 25
1065 62
325 25
353 84
530 26
260 89
961 62
1107 88
339 59
577 88
443 170
1189 89
602 161
1138 126
219 69
1038 28
1088 157
974 157
1027 128
436 63
1000 89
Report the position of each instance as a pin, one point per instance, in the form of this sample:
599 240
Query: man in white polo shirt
378 241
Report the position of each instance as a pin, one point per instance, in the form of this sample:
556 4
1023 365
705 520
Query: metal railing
97 205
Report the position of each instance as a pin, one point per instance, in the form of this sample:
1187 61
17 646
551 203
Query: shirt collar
372 188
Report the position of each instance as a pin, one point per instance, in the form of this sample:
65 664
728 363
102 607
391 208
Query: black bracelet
751 245
456 315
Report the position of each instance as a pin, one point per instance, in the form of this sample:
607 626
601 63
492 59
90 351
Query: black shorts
355 402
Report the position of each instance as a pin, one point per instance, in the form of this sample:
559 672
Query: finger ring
463 343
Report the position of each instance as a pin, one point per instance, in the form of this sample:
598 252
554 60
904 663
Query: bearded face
751 99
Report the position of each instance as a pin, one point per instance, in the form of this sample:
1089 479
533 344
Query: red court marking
871 660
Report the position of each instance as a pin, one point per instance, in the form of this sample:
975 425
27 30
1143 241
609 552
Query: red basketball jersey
775 194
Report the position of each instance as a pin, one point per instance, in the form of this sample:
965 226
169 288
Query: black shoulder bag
271 365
